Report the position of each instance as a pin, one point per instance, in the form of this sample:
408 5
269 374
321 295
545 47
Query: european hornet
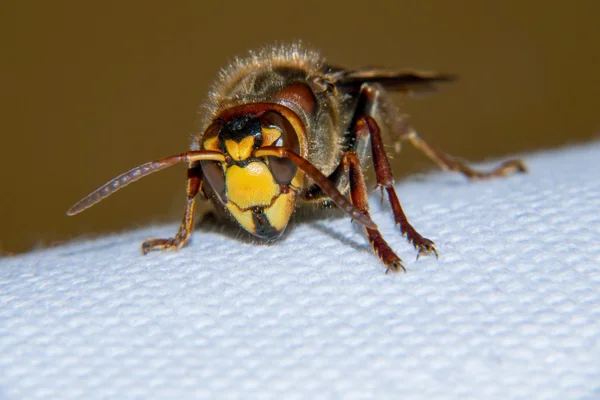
283 126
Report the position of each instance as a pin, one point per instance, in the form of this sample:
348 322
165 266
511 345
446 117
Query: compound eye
283 170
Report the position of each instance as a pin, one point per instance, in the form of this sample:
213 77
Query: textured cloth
510 310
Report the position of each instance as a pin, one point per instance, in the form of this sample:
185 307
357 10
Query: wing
408 81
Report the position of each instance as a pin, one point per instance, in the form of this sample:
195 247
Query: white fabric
511 310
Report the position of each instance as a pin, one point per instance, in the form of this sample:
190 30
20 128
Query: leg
349 175
449 163
365 127
358 193
183 235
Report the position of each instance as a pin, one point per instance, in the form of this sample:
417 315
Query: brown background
90 89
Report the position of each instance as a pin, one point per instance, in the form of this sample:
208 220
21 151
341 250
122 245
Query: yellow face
259 192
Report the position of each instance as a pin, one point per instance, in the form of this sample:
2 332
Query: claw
425 246
426 250
395 267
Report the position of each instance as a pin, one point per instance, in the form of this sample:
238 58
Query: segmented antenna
139 172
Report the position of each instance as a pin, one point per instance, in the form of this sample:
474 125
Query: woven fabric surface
510 310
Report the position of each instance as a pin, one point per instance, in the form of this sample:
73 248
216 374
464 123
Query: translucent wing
408 81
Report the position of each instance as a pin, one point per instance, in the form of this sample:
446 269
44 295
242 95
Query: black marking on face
240 128
263 227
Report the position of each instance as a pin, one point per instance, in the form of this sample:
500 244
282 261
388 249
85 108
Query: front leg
195 179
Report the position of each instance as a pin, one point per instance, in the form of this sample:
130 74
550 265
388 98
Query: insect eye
283 170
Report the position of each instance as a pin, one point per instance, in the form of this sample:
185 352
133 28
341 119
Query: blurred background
91 89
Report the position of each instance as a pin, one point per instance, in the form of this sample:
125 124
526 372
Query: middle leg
365 127
348 177
358 192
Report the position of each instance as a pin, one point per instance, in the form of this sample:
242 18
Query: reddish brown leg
358 193
183 235
365 125
449 163
348 174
